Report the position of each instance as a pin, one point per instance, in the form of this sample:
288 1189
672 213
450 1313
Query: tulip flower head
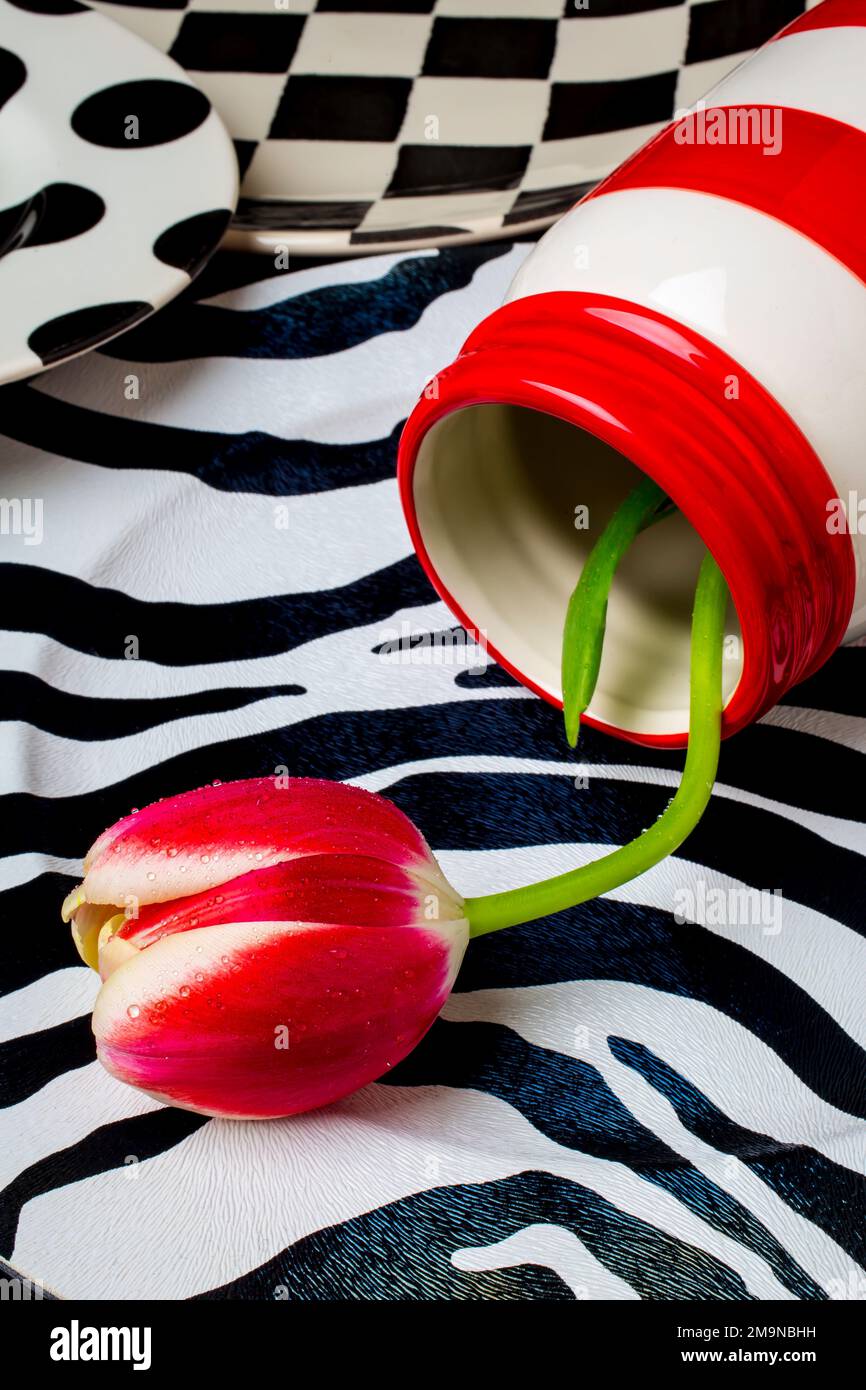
265 946
268 946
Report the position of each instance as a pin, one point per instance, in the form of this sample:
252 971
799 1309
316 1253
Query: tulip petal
112 949
72 902
197 841
262 1019
87 921
348 889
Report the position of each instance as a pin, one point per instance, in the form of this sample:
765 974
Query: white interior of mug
498 493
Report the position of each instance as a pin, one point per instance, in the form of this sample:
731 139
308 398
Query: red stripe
814 184
832 14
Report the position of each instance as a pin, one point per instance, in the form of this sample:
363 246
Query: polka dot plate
117 181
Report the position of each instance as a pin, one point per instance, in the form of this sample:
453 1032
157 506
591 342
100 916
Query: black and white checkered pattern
378 123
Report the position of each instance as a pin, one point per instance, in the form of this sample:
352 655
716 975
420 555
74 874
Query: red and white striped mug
700 317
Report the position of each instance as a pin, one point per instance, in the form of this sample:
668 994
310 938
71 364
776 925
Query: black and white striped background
613 1105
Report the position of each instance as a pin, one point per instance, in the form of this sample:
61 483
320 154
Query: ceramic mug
699 317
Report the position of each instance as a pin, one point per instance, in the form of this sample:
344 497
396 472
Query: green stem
587 608
509 909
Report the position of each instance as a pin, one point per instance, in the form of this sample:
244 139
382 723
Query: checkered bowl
371 125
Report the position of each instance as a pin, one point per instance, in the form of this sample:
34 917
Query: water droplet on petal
184 991
133 1011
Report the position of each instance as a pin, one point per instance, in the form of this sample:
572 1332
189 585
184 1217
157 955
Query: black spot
15 224
56 213
67 211
13 75
84 328
188 244
163 111
48 6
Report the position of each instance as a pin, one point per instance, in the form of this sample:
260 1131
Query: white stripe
555 1248
762 292
820 70
166 537
61 1114
811 949
848 730
79 673
271 1184
357 394
51 1000
16 869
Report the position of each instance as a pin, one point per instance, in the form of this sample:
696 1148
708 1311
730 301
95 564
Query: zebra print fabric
658 1095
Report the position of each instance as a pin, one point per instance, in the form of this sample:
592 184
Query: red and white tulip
266 946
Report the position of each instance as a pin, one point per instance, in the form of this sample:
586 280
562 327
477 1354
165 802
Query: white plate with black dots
117 181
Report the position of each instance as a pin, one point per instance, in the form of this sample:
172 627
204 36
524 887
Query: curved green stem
587 608
509 909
